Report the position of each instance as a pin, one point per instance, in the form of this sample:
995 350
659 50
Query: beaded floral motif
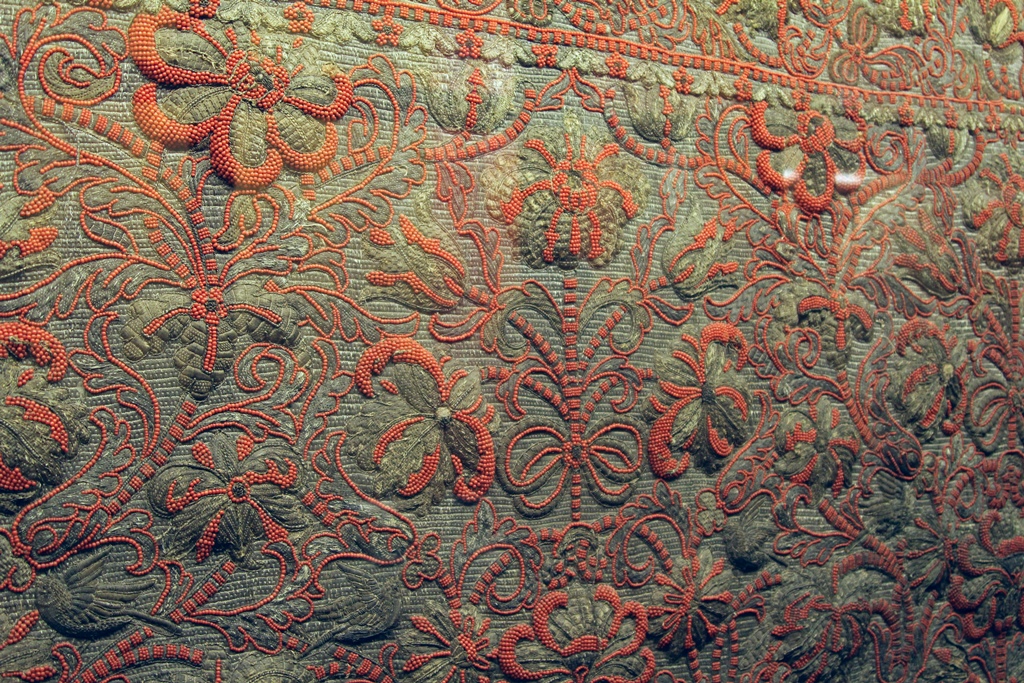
258 116
568 201
508 341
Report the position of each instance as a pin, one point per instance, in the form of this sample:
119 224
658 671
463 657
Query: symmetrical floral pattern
502 342
219 502
257 116
567 202
427 432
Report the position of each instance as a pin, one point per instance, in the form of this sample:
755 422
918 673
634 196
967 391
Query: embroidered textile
460 341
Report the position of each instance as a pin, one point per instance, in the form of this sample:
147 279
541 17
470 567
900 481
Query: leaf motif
697 260
531 297
622 296
419 266
394 135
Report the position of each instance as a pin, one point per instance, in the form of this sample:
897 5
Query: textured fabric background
467 341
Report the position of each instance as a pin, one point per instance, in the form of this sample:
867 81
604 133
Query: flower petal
238 147
816 182
181 117
320 96
156 125
193 104
174 49
305 143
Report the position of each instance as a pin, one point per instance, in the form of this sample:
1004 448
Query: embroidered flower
388 32
474 99
694 605
204 323
565 201
806 157
547 55
41 425
996 391
222 499
994 206
819 453
426 431
702 408
257 116
447 646
659 113
928 390
469 44
583 635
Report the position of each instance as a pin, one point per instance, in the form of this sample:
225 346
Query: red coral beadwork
252 85
507 341
814 136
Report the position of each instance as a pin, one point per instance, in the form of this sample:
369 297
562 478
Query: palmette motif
493 342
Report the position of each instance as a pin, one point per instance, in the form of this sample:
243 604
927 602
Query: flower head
566 201
222 502
257 116
805 156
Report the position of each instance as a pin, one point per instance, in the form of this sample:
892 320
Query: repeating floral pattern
494 341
